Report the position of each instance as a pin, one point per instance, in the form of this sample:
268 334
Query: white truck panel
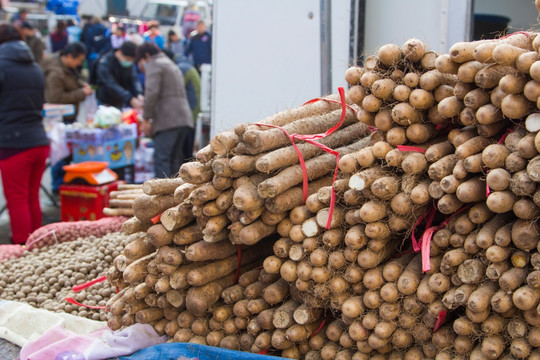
341 24
266 58
439 23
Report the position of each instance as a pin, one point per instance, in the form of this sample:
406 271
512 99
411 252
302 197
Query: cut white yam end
532 123
295 252
357 182
310 227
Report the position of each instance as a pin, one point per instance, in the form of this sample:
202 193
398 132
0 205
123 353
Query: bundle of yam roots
121 200
432 247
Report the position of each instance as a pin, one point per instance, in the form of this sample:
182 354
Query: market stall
395 220
102 153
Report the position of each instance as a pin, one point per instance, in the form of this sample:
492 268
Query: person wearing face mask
166 116
116 80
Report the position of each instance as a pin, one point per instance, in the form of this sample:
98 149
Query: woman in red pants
24 146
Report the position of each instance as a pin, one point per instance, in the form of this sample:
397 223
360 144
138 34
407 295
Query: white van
170 13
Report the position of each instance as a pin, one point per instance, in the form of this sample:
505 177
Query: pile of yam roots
442 149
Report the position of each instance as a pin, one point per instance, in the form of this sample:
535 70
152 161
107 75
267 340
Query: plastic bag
59 146
60 232
187 351
107 116
87 109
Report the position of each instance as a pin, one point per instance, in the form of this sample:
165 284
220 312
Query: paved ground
8 350
50 212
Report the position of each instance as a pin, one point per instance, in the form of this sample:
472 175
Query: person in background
63 85
133 36
74 32
175 44
189 19
153 35
85 25
192 81
117 83
19 17
200 46
118 35
24 146
33 41
59 38
95 39
166 114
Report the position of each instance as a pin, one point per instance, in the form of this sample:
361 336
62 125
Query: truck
170 13
292 51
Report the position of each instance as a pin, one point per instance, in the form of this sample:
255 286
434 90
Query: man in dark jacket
19 18
200 46
116 80
34 43
96 39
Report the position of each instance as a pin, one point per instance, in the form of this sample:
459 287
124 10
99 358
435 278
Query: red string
440 126
318 329
399 254
80 287
237 275
311 139
425 240
430 214
259 268
264 352
425 247
503 138
73 301
300 159
156 219
328 100
117 289
410 148
440 320
517 32
488 190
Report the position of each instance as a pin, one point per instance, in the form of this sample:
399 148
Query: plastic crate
84 202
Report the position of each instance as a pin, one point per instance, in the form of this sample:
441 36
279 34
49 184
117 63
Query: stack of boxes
115 145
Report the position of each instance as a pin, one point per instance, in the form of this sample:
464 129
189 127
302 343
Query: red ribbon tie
440 320
311 139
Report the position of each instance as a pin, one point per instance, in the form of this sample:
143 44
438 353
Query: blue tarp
187 351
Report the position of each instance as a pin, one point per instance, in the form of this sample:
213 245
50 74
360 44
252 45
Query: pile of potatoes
44 277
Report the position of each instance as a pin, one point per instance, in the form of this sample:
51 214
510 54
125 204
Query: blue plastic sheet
187 351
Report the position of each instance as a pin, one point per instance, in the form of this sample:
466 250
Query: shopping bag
57 138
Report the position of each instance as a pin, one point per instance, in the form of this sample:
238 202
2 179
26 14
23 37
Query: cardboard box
118 153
